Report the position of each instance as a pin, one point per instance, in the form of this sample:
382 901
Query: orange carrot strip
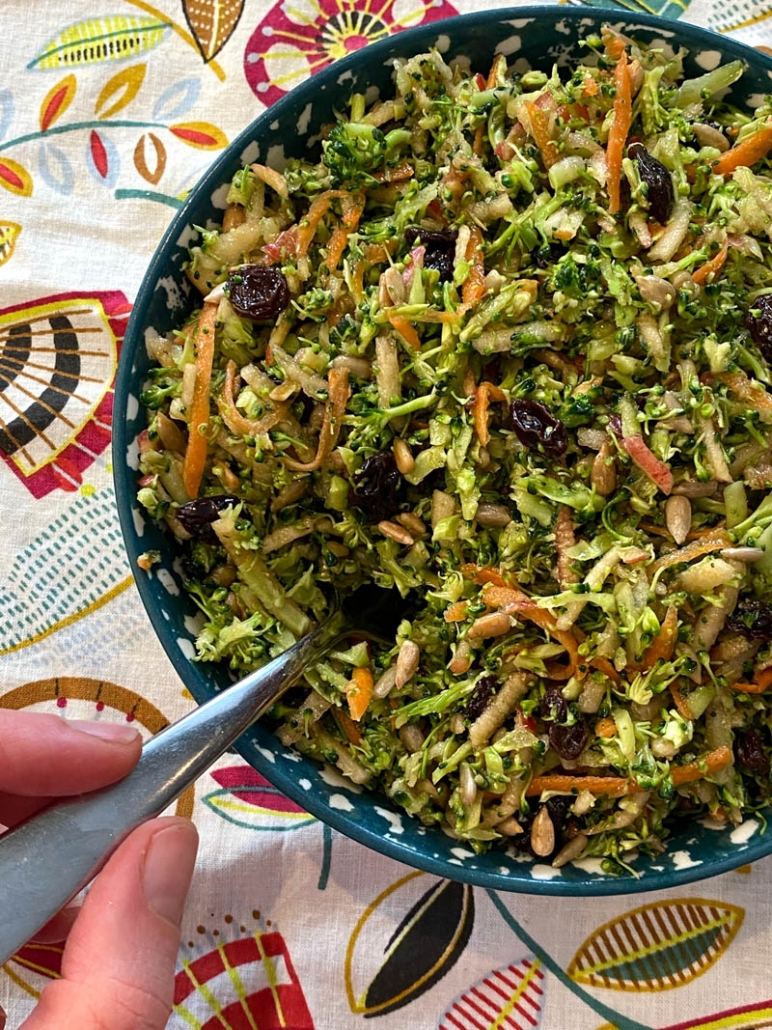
605 728
338 395
482 574
682 705
456 612
349 727
400 174
359 692
406 331
761 681
751 392
195 455
540 121
339 238
484 393
711 268
317 211
747 153
232 417
473 289
515 602
664 643
604 665
714 540
614 46
612 786
589 86
620 127
708 765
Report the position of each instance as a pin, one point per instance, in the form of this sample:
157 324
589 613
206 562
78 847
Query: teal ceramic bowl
528 36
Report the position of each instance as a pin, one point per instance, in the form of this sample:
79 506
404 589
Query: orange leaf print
56 101
15 178
142 152
212 23
202 135
125 86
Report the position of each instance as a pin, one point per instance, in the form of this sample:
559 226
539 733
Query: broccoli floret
315 304
157 395
353 152
345 330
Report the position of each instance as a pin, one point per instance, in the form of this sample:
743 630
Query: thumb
119 962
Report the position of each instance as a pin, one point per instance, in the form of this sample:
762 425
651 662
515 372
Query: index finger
48 755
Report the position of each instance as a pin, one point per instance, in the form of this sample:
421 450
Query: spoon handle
45 861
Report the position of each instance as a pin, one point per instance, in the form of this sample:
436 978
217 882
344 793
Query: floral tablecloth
109 112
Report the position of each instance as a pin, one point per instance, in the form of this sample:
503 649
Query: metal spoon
45 861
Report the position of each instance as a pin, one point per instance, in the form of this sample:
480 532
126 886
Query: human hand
118 964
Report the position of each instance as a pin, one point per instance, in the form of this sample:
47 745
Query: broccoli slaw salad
506 349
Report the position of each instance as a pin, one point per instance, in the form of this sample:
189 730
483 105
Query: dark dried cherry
569 741
751 619
535 425
440 249
554 707
196 517
749 751
759 323
481 696
258 293
376 486
660 193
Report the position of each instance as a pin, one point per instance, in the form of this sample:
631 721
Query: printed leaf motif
248 799
56 169
388 967
98 40
658 946
15 178
176 100
56 101
102 159
746 1017
512 997
141 150
9 234
212 23
6 111
245 983
126 84
202 135
44 959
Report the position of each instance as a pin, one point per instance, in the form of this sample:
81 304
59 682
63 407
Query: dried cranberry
258 293
759 323
554 706
481 696
440 249
196 517
751 619
749 751
376 486
569 741
660 194
535 425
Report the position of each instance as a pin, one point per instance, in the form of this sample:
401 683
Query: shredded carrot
604 665
195 454
319 208
611 786
648 462
747 153
473 289
663 645
681 703
620 127
749 391
348 726
708 765
232 417
605 728
337 398
484 393
359 692
614 46
399 174
715 540
456 612
590 86
761 681
710 269
406 331
515 602
339 238
482 574
540 122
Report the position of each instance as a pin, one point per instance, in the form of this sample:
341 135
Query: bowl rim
124 477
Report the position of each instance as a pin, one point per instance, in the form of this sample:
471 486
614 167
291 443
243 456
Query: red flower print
298 38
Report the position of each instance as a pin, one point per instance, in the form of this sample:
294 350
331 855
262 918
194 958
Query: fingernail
114 732
169 862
